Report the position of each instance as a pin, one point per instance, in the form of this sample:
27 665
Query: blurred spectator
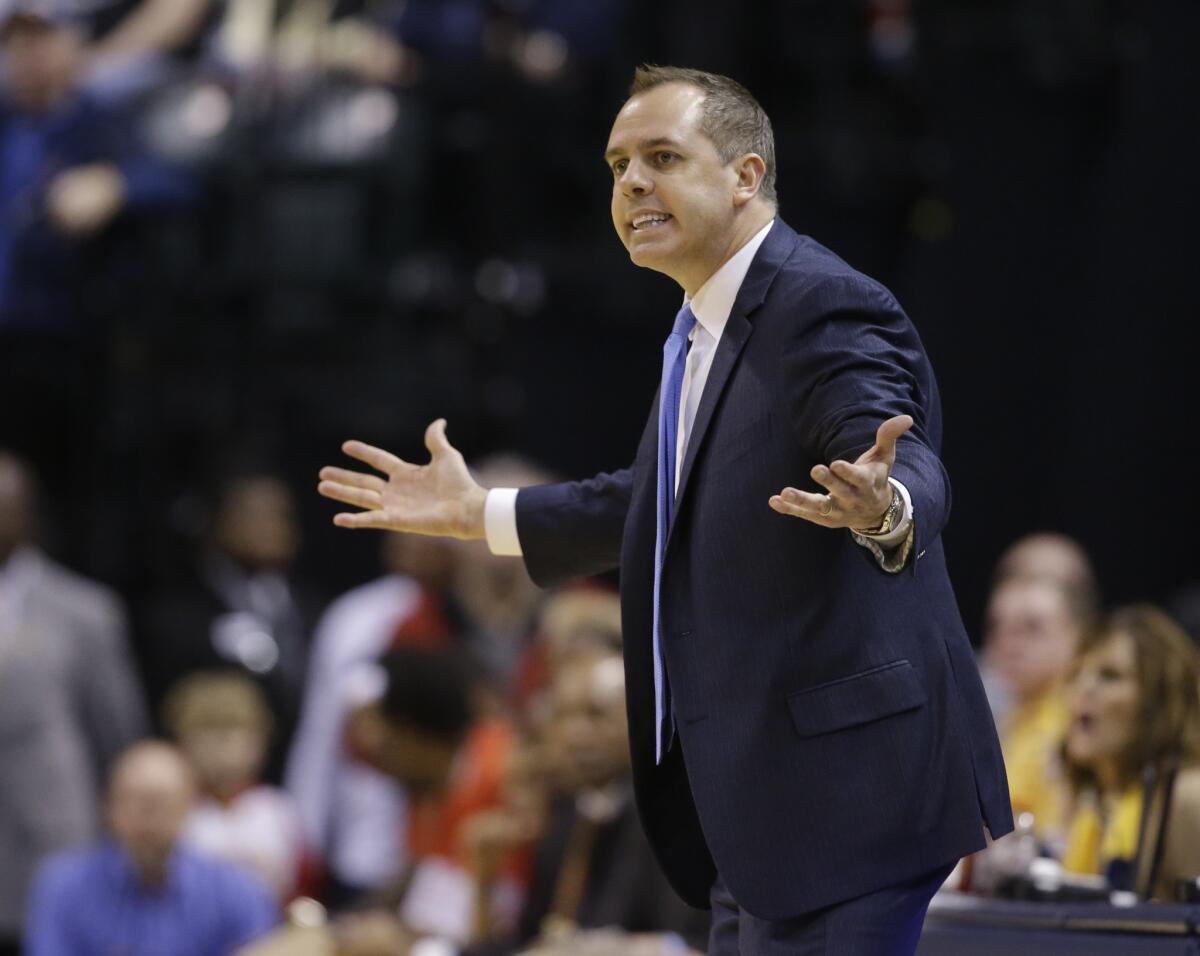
127 31
221 722
497 597
69 167
377 42
1133 754
1043 600
353 813
1057 558
573 621
605 942
244 609
69 699
141 893
491 839
424 732
1030 640
593 866
435 594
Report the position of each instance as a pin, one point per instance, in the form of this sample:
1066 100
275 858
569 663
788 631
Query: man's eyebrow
643 145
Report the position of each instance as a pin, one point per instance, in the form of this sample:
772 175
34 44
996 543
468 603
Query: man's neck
751 221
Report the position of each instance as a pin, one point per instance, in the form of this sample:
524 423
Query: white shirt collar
713 301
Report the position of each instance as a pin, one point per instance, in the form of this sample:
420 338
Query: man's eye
619 166
665 158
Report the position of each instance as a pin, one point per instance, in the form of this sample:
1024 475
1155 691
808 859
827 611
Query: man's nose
634 181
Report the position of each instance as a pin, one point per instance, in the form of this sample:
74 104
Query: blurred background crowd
234 233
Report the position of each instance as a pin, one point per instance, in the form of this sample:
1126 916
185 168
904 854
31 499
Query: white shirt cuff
500 522
900 528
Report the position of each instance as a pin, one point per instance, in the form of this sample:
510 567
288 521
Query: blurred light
243 638
207 111
544 54
189 121
372 113
608 679
364 684
306 913
531 291
497 281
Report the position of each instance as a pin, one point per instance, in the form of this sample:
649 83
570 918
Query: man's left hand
857 494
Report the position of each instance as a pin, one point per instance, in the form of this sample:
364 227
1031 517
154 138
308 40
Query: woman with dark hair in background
1133 754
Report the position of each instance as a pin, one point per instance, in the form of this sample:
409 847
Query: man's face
587 736
256 524
41 62
148 803
673 200
226 756
420 760
1030 636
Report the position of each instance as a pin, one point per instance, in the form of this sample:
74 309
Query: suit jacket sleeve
573 529
857 364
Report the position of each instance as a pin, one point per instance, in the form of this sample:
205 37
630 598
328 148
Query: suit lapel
733 340
775 249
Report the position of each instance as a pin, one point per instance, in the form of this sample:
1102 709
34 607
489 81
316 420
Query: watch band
889 517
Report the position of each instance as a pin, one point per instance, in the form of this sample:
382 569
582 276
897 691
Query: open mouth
648 222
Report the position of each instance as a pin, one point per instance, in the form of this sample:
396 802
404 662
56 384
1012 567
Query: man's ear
751 170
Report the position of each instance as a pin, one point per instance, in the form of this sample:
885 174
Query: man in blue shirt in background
69 166
141 893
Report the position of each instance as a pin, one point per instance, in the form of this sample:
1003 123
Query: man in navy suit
812 749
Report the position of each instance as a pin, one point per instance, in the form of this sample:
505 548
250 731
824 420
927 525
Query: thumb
889 432
435 438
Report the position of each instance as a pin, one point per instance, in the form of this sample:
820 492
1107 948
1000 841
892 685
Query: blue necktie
674 356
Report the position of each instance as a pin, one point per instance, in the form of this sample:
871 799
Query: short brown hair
215 699
730 116
1168 676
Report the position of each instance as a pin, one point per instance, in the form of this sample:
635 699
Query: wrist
473 526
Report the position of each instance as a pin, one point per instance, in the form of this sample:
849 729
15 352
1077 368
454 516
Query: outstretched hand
857 494
440 498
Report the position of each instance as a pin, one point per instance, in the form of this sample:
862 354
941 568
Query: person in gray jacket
69 699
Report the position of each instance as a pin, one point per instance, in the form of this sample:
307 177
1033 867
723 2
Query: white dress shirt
711 306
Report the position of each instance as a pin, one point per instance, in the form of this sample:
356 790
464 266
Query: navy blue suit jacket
830 715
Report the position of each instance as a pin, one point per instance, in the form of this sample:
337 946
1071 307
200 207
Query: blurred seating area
234 233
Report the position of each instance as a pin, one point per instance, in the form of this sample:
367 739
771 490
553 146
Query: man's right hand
440 498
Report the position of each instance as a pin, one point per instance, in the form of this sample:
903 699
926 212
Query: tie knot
685 321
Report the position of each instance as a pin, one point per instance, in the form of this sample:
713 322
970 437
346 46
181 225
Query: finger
377 458
795 511
348 494
819 509
886 436
355 478
435 438
833 481
864 479
360 519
